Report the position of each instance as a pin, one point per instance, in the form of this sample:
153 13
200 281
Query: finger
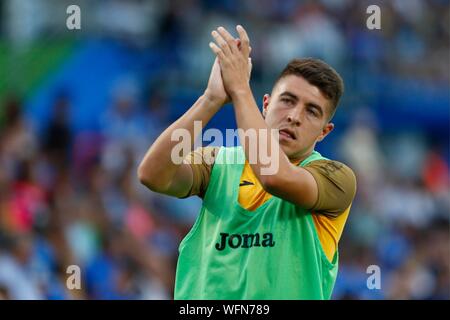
245 41
217 51
221 42
228 38
238 43
250 66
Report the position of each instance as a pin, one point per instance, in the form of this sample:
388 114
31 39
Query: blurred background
79 108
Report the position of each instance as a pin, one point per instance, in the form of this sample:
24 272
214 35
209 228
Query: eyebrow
309 104
290 95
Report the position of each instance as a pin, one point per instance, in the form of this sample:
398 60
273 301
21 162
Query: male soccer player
259 236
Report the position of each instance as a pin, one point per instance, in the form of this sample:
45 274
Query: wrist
211 102
240 92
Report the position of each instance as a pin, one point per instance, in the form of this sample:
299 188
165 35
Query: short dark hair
319 74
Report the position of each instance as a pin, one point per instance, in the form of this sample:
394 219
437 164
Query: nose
294 119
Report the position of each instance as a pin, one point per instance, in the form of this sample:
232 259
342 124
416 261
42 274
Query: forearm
248 117
157 169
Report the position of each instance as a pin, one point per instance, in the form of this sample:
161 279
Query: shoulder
336 183
201 162
202 156
333 170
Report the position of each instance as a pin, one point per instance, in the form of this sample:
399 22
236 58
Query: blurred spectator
58 136
16 275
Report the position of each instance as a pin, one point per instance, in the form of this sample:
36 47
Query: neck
299 158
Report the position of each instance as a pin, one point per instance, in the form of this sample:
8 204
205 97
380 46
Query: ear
266 101
325 131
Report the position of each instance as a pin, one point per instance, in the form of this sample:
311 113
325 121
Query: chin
287 151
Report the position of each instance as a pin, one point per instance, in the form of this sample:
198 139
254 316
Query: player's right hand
215 91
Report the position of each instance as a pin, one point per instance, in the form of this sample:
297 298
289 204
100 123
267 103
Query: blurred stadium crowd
69 195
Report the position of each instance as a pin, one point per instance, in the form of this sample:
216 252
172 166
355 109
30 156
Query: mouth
288 133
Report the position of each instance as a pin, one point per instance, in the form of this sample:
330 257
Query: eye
312 112
287 101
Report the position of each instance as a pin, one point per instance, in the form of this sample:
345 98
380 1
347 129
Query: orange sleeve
201 161
336 185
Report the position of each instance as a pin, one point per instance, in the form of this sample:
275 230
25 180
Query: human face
300 112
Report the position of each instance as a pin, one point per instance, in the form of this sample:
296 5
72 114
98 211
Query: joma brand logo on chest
235 241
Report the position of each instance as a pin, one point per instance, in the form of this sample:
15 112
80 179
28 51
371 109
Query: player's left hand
234 59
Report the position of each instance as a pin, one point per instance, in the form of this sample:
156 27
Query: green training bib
272 252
